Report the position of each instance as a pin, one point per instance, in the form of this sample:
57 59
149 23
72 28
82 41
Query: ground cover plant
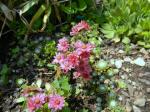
127 20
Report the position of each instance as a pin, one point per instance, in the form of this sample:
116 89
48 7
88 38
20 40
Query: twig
2 27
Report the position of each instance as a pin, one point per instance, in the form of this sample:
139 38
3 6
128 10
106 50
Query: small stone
127 59
131 90
139 61
140 102
136 109
121 51
118 63
148 90
125 93
147 82
128 107
133 83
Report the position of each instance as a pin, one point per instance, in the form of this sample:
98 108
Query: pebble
127 59
121 51
118 63
147 82
139 61
131 90
140 102
148 90
136 109
128 107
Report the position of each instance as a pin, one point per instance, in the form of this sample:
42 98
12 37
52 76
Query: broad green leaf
39 83
126 40
68 10
27 5
46 17
37 15
82 5
20 100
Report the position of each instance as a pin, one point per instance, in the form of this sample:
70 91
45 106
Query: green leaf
141 43
108 31
20 100
39 83
68 9
126 40
7 12
27 5
37 15
82 5
122 84
56 84
46 17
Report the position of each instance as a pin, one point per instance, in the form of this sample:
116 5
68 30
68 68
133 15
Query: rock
125 93
147 82
136 109
121 51
140 102
131 90
128 107
127 59
139 61
148 90
118 63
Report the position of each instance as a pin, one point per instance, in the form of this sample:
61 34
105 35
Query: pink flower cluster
55 102
77 59
83 25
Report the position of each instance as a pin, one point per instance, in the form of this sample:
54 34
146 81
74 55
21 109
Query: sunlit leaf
7 12
27 5
46 17
39 12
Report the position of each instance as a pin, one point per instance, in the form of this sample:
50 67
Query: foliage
127 20
57 87
37 15
4 72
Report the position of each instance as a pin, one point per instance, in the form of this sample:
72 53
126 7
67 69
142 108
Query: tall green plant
127 20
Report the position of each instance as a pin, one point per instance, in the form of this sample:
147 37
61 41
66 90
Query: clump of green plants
127 21
45 97
4 72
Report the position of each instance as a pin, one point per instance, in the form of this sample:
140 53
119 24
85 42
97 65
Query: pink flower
78 44
65 66
56 102
83 50
73 59
36 102
63 45
59 58
76 75
80 26
84 69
